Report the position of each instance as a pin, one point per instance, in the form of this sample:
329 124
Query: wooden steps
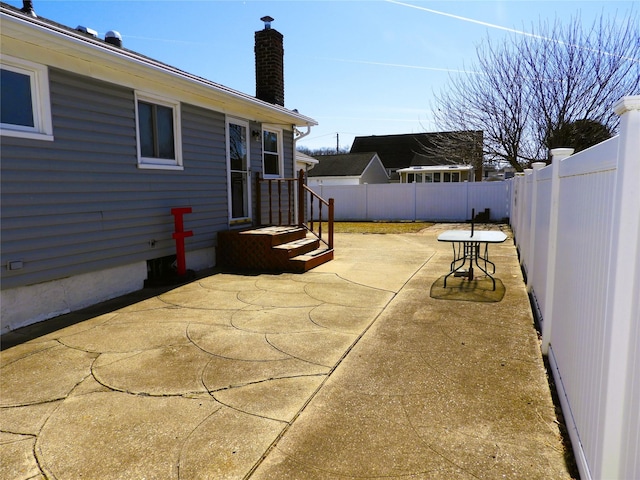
271 249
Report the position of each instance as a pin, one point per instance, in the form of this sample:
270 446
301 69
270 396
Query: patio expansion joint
264 380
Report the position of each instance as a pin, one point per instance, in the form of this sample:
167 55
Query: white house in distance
304 162
348 169
436 174
442 149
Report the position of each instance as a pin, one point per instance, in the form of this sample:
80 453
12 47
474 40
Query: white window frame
161 163
245 124
278 132
40 100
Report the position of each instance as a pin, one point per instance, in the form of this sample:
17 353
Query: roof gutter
300 135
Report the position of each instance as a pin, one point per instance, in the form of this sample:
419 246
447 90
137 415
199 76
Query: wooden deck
271 249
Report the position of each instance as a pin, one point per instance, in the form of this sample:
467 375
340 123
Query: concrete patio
350 371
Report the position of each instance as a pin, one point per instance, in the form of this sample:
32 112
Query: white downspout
297 135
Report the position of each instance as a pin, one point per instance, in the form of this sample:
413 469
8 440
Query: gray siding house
99 143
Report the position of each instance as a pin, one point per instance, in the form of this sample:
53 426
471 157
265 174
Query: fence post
534 222
516 200
557 155
620 419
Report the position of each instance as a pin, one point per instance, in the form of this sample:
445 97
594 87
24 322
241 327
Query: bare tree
315 152
521 92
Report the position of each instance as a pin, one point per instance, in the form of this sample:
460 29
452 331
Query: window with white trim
272 165
25 108
158 132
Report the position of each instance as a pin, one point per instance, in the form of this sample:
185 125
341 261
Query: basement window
25 109
158 133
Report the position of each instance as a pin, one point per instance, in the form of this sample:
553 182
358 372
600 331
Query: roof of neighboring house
304 158
98 50
343 165
401 151
427 160
436 168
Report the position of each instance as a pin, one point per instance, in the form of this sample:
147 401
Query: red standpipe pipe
179 236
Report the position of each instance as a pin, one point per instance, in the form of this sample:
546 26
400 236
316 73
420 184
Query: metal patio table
472 248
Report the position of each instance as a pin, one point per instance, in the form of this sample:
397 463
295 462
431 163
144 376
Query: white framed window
238 170
158 132
25 109
272 164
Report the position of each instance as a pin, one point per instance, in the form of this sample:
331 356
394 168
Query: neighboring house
436 174
424 149
304 162
99 143
427 169
348 169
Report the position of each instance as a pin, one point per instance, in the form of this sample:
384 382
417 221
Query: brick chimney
269 53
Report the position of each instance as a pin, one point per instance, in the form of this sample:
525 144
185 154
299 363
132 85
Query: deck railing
314 204
289 201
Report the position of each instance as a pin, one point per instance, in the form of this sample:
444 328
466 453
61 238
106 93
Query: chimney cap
267 21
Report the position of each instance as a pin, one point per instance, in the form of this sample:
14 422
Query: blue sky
357 67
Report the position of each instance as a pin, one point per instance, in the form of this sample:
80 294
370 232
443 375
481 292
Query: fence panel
443 202
450 202
577 228
350 201
537 275
491 195
394 201
524 220
583 243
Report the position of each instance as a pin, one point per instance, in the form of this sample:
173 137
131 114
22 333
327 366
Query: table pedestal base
470 252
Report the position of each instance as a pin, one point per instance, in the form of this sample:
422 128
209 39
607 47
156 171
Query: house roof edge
11 14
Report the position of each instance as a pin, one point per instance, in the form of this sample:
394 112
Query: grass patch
376 227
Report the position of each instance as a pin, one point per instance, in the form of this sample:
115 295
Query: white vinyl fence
577 228
449 202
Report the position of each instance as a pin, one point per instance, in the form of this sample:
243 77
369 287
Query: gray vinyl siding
289 162
81 204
